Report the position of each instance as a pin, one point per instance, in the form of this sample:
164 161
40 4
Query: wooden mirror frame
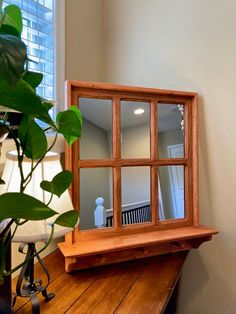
101 246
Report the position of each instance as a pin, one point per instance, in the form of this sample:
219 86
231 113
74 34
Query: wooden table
141 286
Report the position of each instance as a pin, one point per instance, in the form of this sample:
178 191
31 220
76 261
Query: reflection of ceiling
169 117
99 112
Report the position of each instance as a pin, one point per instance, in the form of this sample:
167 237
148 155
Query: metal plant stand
27 286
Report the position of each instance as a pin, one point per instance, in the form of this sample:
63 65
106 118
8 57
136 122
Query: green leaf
12 20
75 109
7 29
33 78
67 219
70 139
59 183
48 105
69 124
12 58
23 206
2 16
23 98
32 138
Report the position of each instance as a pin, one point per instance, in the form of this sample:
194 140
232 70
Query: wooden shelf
88 253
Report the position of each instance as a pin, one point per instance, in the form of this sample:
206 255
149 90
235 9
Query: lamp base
27 286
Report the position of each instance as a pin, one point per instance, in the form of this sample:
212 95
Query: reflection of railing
131 213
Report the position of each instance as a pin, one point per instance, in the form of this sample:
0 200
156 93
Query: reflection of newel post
99 213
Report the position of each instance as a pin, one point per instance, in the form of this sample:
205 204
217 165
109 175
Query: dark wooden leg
172 304
5 289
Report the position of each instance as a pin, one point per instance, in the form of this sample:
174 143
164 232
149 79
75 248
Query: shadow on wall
197 265
202 275
206 216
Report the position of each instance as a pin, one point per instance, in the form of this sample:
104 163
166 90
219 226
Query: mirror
96 139
170 131
135 129
135 183
134 177
171 192
96 198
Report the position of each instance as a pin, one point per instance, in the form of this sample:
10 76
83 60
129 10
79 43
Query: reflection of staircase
132 214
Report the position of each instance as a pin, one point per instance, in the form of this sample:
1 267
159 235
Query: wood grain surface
140 286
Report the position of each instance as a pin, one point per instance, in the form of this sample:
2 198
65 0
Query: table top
138 286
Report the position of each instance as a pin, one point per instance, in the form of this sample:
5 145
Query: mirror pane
170 131
135 195
96 136
135 129
171 192
96 199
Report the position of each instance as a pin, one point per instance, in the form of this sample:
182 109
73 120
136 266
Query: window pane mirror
96 199
170 131
135 183
171 192
96 140
135 129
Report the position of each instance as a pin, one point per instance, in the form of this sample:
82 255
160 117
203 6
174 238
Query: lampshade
34 231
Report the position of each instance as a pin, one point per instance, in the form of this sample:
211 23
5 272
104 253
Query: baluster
99 213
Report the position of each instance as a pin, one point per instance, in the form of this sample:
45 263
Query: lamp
35 231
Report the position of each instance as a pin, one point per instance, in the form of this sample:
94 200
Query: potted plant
18 92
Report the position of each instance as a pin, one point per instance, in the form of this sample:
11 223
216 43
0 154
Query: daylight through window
38 35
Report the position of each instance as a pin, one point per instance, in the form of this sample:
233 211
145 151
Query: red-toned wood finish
139 235
139 286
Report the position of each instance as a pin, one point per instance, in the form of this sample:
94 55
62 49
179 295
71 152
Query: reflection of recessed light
139 111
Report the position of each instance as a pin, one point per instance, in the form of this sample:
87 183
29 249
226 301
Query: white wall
190 45
84 39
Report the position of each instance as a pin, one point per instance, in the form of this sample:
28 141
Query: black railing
133 216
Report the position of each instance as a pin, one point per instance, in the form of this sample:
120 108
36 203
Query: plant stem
51 196
1 3
19 156
8 226
28 177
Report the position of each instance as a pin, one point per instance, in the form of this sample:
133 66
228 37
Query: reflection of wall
94 142
166 192
166 139
135 142
135 184
135 181
94 182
